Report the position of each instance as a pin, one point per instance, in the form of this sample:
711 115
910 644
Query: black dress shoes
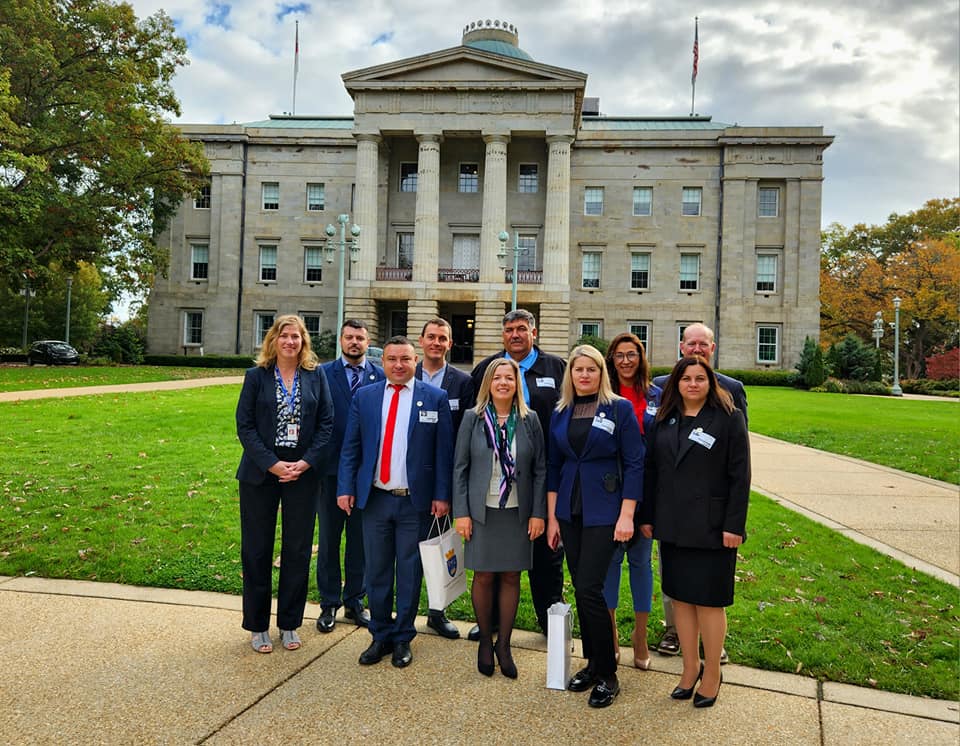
401 655
582 680
700 701
358 615
327 619
376 652
438 622
681 693
604 693
474 634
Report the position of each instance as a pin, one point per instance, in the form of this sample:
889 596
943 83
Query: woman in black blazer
284 420
698 487
499 502
594 482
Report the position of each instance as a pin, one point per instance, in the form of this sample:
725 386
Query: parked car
52 352
375 355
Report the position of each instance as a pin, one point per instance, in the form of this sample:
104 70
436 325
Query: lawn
25 378
921 437
139 489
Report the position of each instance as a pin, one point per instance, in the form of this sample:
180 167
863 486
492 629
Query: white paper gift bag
559 645
442 560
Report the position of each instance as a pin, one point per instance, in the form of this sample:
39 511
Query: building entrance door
462 351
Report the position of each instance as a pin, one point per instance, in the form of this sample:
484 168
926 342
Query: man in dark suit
697 339
395 467
345 376
542 374
436 340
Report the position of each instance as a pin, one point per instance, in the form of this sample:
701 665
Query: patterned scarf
500 438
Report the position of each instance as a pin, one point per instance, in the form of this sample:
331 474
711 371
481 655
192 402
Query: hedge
748 377
200 361
942 387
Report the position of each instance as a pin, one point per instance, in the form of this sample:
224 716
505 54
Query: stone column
494 217
419 312
488 328
556 240
365 207
426 231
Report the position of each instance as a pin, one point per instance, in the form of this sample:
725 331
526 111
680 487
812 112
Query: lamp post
27 293
878 328
517 250
69 294
340 246
896 390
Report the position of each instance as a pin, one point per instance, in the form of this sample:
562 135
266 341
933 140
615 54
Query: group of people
536 458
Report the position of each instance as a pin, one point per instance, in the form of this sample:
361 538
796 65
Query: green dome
499 47
496 37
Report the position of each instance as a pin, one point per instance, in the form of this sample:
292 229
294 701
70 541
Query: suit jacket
696 493
340 393
429 446
257 421
732 385
473 469
461 393
621 451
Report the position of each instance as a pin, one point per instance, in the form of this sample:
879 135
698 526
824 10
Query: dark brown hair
642 383
672 403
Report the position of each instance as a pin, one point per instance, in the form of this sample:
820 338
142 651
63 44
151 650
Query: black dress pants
589 551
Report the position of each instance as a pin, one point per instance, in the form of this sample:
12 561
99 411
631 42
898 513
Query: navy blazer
732 385
429 446
695 493
460 392
340 393
604 453
257 421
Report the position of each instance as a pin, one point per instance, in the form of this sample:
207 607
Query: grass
25 378
139 489
921 437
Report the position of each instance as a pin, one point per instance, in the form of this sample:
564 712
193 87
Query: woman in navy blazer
284 420
594 482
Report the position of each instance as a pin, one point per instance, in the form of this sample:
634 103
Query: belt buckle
400 492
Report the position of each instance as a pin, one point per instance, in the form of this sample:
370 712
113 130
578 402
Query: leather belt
398 492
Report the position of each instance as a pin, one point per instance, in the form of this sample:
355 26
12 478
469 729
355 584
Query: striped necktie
355 378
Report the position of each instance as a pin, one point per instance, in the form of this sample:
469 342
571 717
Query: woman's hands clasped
289 471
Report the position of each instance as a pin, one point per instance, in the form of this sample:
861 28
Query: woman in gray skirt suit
499 502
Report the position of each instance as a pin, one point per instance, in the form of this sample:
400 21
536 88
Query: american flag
696 50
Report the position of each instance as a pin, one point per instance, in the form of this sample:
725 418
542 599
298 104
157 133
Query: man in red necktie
395 467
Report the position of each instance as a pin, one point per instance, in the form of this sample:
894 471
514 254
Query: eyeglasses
621 356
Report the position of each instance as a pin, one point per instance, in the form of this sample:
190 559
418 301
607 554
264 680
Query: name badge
604 424
454 405
704 439
546 383
428 417
652 409
293 432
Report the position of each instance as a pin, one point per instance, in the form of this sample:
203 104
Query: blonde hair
483 395
605 393
267 356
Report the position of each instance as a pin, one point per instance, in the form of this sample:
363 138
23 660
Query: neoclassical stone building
621 222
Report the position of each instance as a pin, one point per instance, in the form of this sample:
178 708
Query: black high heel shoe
485 650
507 667
681 693
700 701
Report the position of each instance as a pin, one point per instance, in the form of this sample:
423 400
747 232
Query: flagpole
696 62
296 65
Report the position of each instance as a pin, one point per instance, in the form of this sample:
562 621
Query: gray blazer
473 469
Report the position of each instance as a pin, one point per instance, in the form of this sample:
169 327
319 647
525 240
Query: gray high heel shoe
261 642
290 639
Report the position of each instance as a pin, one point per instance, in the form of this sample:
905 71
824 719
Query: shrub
324 344
121 344
746 377
811 368
852 360
201 361
866 387
942 387
598 342
944 366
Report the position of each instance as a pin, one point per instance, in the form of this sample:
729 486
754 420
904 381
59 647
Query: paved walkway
104 663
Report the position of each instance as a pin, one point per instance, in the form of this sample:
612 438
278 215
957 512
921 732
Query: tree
811 366
852 359
90 169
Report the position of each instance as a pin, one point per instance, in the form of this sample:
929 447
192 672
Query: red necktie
388 434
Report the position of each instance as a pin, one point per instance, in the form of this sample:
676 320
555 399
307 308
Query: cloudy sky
881 76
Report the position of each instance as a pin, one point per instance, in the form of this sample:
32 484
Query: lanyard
288 398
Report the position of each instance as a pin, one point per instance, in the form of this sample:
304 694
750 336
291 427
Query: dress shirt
398 454
434 379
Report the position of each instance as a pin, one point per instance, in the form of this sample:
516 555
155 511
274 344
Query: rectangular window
528 252
768 202
590 328
312 322
193 328
466 251
639 271
766 273
315 197
593 201
201 200
271 195
643 201
408 177
642 330
263 320
692 199
405 250
312 264
591 270
469 180
689 272
529 182
199 261
768 344
268 264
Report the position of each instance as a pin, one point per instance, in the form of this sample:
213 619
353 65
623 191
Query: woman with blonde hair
499 503
284 420
594 483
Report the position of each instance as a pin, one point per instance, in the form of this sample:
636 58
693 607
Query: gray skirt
500 544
